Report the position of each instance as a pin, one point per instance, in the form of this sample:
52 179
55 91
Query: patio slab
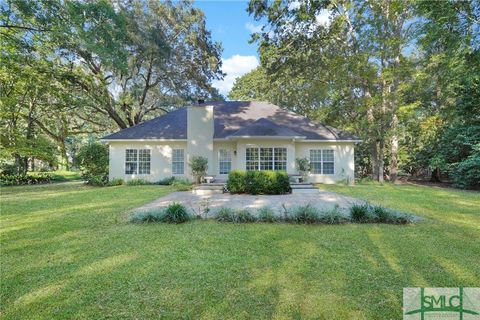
199 203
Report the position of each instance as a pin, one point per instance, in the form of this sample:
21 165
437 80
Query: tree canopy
401 74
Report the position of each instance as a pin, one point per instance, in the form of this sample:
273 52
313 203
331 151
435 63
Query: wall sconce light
235 152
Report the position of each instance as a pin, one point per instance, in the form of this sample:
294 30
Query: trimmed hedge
258 182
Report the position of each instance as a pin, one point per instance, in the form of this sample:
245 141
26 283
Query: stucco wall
344 166
200 134
161 157
160 163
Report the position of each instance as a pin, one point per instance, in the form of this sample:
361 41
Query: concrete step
302 186
305 190
208 189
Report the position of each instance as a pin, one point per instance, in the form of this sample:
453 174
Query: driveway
206 206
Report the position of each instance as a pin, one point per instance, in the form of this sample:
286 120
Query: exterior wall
344 165
160 162
161 157
200 134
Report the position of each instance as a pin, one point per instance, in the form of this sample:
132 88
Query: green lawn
68 252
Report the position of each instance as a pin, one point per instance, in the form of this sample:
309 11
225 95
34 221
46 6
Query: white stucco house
231 135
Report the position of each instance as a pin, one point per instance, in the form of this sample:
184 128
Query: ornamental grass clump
333 216
360 213
304 215
148 216
238 216
174 213
267 214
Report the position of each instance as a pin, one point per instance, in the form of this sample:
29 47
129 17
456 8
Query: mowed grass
67 251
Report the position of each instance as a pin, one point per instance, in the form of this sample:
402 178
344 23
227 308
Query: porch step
208 189
303 188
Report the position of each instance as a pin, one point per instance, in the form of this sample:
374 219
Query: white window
322 161
137 161
225 161
178 161
266 159
144 161
280 159
252 159
131 161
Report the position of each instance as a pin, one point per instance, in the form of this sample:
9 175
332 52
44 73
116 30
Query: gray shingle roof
235 118
265 128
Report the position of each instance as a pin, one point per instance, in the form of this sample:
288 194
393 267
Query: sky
231 25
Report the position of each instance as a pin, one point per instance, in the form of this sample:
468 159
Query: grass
68 251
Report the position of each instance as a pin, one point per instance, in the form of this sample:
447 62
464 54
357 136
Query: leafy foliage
258 182
21 179
93 160
199 167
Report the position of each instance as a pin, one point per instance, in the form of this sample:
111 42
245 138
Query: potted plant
199 166
303 167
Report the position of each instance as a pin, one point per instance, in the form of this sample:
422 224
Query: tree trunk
435 177
63 151
381 162
374 160
394 151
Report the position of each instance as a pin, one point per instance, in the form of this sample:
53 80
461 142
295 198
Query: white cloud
253 28
323 18
235 66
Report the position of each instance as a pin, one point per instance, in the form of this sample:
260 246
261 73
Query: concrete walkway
207 205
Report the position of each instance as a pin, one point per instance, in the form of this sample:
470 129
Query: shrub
360 213
199 166
304 215
23 179
182 184
93 160
115 182
236 181
266 214
333 216
467 173
166 181
176 213
258 182
137 182
149 215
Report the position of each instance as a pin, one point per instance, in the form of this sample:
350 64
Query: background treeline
403 75
76 69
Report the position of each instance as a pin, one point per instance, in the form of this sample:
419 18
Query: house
231 135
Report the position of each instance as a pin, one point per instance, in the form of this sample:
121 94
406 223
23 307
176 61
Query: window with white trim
131 161
225 161
178 161
252 159
144 161
322 161
137 161
266 159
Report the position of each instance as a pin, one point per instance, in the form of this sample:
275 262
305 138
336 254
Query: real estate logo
441 303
